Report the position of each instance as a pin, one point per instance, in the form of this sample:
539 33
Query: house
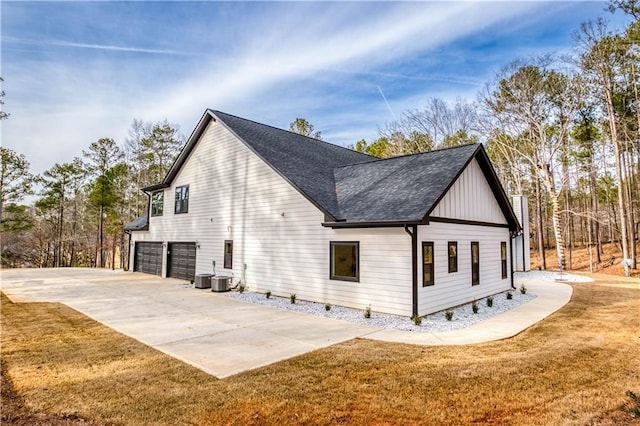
282 212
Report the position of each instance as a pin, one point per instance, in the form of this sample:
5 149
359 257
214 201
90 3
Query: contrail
387 102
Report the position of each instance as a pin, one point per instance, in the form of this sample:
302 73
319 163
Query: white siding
451 289
470 198
276 232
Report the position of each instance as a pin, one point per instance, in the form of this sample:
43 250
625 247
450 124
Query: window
427 264
345 260
475 263
157 203
182 199
453 256
503 257
228 254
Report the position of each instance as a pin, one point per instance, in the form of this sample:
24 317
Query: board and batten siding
470 198
451 289
279 243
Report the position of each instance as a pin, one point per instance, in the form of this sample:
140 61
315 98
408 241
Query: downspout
414 266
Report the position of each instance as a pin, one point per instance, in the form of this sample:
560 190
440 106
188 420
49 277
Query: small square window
157 203
182 199
345 260
453 256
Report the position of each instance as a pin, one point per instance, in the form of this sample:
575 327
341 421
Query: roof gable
399 189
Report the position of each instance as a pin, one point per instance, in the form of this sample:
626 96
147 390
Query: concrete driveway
212 332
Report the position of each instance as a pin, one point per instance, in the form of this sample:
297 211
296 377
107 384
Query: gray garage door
148 258
182 261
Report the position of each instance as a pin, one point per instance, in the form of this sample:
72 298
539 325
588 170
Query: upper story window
182 199
345 260
157 203
453 256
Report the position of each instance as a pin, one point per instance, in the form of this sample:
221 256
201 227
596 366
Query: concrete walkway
223 336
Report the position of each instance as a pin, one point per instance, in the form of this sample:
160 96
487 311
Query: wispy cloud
117 48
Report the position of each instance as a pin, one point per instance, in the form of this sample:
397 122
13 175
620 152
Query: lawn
575 367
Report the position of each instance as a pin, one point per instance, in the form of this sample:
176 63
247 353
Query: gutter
414 266
512 236
389 224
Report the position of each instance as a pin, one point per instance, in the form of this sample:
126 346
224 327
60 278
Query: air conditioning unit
220 283
203 281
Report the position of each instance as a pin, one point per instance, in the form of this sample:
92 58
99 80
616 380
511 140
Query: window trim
477 244
228 260
503 259
432 282
332 276
452 261
184 202
157 211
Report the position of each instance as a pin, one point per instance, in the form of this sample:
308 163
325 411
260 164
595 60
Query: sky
79 71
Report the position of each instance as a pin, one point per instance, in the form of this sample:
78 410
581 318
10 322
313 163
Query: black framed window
427 263
345 260
503 258
228 254
182 199
157 203
475 263
452 248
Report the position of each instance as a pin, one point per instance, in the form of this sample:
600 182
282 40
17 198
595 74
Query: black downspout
414 265
511 258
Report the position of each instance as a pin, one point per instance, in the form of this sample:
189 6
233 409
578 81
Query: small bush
327 307
474 307
509 295
523 289
635 403
241 289
268 294
448 314
490 301
367 312
292 297
417 319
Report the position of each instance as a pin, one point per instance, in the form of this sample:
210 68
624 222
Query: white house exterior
331 226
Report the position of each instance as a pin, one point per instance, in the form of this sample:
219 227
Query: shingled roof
351 188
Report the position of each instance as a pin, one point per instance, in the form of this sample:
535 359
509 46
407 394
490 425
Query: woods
564 131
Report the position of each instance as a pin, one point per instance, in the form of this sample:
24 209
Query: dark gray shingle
401 188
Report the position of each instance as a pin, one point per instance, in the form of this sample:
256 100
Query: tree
536 103
104 157
15 179
3 114
302 127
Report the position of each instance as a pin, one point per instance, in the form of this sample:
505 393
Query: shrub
241 289
635 403
509 295
523 289
327 307
417 319
448 314
292 297
367 312
268 294
474 307
490 301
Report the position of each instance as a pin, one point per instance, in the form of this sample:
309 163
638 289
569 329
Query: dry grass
580 260
573 368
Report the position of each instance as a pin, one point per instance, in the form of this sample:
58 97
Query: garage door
148 258
182 261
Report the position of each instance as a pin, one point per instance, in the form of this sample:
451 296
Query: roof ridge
376 160
290 132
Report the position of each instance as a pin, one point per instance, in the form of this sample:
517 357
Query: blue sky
78 71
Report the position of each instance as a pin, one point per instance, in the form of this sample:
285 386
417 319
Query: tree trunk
539 226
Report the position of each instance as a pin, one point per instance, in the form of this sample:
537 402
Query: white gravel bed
463 316
551 276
